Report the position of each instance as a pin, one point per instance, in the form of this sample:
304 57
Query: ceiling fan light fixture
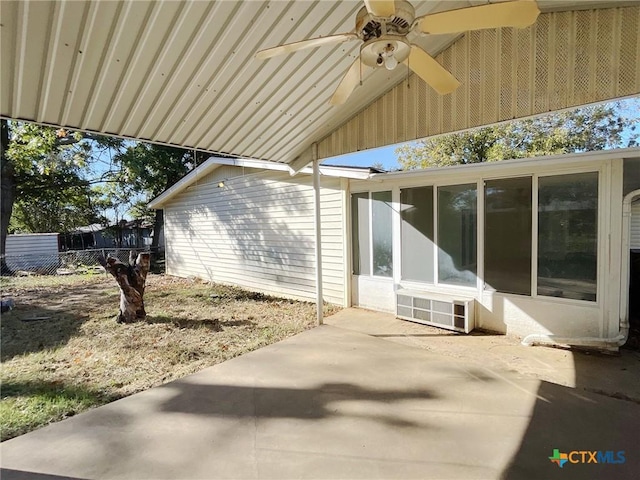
386 29
390 62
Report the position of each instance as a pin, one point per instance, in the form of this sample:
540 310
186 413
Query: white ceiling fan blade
427 68
311 43
380 8
519 13
350 81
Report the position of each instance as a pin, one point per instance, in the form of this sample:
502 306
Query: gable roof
214 162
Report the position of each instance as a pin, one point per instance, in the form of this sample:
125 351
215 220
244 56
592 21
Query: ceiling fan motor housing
384 36
369 26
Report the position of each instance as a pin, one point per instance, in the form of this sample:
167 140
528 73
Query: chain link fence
72 262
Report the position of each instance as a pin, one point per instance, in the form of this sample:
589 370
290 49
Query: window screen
507 238
457 227
381 234
360 233
568 236
416 209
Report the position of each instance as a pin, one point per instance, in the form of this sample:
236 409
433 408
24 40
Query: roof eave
214 162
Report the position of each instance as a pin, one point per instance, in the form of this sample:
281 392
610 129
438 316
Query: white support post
316 191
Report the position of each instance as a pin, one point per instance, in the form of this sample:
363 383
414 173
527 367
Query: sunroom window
568 236
382 238
371 218
507 235
360 232
416 210
457 227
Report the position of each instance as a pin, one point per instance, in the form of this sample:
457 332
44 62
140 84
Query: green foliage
114 197
140 211
66 179
51 188
54 211
585 129
153 168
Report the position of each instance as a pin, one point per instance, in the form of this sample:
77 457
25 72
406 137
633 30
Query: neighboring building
126 234
529 246
31 251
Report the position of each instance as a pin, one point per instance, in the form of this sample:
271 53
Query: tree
585 129
55 211
151 169
52 178
7 188
46 178
131 279
140 211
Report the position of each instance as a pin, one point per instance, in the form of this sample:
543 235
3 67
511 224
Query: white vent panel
452 313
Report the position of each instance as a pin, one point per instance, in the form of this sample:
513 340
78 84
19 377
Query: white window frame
370 193
600 240
436 234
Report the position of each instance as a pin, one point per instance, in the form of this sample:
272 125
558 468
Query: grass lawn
62 351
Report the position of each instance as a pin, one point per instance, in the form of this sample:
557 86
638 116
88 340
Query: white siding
635 225
257 231
32 244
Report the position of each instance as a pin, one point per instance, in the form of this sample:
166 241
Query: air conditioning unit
444 311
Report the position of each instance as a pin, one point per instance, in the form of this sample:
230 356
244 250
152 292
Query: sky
386 155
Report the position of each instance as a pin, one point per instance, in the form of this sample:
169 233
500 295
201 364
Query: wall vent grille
436 310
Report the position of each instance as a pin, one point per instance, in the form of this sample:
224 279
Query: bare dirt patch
62 351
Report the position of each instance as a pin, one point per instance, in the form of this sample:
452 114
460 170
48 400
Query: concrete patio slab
614 375
334 403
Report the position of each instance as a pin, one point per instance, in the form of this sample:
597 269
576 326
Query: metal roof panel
184 73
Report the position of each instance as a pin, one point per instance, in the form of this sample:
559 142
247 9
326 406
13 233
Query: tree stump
131 279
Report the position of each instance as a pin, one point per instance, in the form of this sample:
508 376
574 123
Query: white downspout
594 342
623 334
316 191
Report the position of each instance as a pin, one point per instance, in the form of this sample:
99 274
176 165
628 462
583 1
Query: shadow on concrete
399 335
9 474
326 400
577 419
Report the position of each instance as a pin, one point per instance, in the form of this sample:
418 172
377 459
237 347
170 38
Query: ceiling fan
386 27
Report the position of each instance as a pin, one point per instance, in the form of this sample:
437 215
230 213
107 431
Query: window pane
457 219
416 210
568 236
360 233
381 230
507 244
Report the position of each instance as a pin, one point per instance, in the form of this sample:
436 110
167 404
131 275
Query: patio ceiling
184 73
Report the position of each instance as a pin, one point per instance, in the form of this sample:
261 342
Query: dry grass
63 352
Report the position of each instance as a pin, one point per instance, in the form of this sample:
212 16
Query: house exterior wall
257 231
513 313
